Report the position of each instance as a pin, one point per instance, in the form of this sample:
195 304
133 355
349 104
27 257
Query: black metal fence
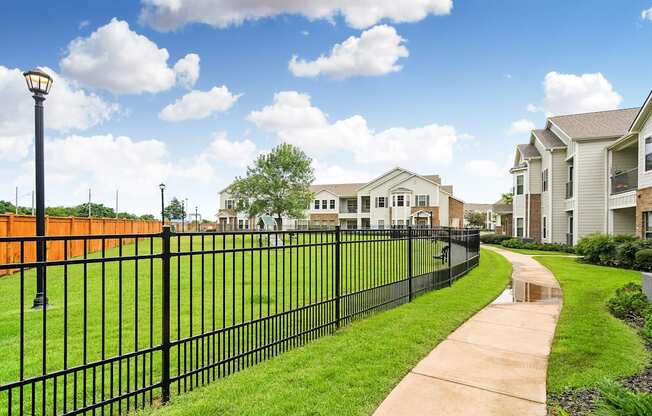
131 325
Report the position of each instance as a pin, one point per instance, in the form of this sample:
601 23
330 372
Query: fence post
467 241
165 331
409 249
338 288
450 256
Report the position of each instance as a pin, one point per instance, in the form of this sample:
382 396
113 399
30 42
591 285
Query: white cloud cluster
522 126
647 14
294 120
570 94
234 153
375 52
67 108
199 104
120 60
187 70
171 14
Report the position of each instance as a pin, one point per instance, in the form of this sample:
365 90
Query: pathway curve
496 362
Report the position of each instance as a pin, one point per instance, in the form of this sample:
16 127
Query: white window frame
381 224
522 227
381 202
316 204
229 203
324 204
647 230
422 200
522 177
544 180
331 204
400 200
647 142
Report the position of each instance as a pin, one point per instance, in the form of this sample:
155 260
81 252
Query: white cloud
521 126
171 14
647 14
187 70
294 120
531 108
66 108
120 60
375 52
570 93
334 173
199 104
486 169
234 153
305 33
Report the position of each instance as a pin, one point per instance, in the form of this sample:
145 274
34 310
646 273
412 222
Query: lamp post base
40 301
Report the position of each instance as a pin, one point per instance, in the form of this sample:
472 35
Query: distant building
395 199
491 219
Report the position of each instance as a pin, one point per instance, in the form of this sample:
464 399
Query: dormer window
229 204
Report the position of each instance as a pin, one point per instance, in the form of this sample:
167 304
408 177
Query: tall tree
507 198
174 210
475 219
278 184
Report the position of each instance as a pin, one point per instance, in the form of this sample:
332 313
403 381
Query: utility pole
89 202
183 216
117 193
16 200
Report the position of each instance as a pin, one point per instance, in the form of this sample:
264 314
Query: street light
39 84
162 187
183 216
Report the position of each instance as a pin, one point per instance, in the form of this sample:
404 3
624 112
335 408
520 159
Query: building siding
644 178
590 188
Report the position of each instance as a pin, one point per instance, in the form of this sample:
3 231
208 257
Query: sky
190 92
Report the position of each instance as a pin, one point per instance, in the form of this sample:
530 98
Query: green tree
174 210
507 198
278 184
475 219
148 217
7 207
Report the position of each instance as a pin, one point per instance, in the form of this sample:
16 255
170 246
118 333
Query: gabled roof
612 123
338 189
528 151
548 139
642 114
501 208
478 207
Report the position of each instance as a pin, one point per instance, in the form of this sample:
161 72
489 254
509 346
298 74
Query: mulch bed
580 402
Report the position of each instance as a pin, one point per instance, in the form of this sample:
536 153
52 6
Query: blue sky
433 88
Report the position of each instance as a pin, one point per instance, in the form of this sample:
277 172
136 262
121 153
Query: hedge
616 250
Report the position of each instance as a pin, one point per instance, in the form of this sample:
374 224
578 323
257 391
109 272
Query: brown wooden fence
25 225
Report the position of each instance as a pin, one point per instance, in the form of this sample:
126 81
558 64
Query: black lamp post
162 187
39 84
183 216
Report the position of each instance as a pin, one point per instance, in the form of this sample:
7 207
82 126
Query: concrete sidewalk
496 362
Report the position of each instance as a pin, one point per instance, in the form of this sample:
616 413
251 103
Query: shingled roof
548 139
611 123
528 151
339 189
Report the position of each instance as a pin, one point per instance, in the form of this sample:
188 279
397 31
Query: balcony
569 190
624 181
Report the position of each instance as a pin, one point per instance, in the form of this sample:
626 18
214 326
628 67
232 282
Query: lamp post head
162 186
38 82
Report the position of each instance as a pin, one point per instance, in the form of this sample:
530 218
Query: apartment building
574 177
396 198
491 218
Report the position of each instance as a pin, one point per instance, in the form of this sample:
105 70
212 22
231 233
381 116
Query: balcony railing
624 181
569 190
345 209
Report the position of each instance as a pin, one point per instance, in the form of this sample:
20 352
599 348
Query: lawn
590 344
352 371
122 299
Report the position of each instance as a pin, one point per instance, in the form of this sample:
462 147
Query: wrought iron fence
135 323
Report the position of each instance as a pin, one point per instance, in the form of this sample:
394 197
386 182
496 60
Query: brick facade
643 204
535 217
455 211
324 217
434 213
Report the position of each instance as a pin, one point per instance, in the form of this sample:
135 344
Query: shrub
619 401
493 238
629 302
643 259
520 244
646 331
597 248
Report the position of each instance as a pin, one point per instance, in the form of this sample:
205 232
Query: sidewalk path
496 362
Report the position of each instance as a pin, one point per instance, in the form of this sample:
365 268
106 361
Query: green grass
352 371
590 345
240 283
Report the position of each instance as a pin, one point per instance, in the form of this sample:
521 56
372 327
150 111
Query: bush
597 248
618 401
646 331
629 302
520 244
643 259
493 238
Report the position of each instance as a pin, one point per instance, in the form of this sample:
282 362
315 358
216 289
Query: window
324 204
316 203
423 200
519 227
240 224
648 224
332 204
519 185
381 224
381 202
229 204
393 200
648 153
544 179
407 201
399 223
545 227
400 200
